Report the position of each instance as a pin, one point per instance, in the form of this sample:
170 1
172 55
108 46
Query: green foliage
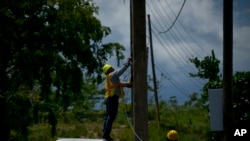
48 45
19 116
194 100
156 133
192 123
208 68
212 84
241 98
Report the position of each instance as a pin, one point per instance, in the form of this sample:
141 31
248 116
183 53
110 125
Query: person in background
114 90
172 135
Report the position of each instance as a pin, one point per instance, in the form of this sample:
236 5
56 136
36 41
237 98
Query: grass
191 125
84 129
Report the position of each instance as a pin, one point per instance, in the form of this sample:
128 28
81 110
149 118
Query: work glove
129 84
129 61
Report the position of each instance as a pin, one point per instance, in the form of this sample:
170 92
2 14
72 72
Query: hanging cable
175 18
187 32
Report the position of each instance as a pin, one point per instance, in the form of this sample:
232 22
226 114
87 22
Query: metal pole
131 52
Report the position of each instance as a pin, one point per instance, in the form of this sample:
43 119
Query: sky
197 31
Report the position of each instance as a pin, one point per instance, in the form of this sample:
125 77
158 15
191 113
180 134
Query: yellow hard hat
106 67
172 135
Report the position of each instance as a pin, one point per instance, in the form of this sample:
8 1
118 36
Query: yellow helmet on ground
106 67
172 135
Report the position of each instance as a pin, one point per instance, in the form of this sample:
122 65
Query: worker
114 91
172 135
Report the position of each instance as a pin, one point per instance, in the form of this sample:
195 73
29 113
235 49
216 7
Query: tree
48 44
241 98
208 69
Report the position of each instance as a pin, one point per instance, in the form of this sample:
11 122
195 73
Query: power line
179 69
173 34
175 18
163 9
173 82
177 62
190 35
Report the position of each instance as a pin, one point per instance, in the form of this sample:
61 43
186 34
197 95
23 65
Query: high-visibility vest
110 87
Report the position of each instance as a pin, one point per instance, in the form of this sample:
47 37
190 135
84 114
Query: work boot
107 138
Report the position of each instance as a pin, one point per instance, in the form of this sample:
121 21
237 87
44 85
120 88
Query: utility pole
153 71
140 98
228 68
131 51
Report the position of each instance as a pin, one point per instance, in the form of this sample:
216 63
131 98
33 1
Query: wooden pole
228 68
140 100
131 52
153 71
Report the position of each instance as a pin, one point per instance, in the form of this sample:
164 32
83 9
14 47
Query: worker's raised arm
119 72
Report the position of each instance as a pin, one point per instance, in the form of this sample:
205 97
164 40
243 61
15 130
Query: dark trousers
111 112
